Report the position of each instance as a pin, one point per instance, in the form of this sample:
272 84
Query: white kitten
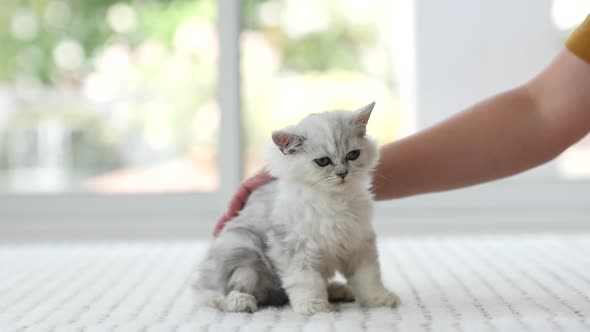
296 232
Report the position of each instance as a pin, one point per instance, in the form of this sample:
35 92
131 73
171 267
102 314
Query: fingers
220 224
256 181
239 200
241 196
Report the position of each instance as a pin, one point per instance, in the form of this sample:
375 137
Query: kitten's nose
342 174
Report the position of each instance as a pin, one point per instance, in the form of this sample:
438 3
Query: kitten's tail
233 302
208 298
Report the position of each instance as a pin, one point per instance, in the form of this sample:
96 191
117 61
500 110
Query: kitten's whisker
319 181
382 176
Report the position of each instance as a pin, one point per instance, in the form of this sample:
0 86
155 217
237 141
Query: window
108 97
307 56
145 97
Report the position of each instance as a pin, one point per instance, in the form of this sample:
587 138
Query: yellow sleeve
579 41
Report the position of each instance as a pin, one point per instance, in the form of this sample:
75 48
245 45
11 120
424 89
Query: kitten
296 232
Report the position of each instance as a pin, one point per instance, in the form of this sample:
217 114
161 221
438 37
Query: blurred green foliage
85 21
337 47
153 106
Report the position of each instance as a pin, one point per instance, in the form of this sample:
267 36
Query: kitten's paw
340 292
312 306
238 302
386 298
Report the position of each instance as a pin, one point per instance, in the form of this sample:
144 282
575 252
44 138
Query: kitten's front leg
364 277
307 292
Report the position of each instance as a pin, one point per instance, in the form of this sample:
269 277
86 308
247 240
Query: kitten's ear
287 143
361 118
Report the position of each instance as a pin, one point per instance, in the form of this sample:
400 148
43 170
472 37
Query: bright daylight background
126 125
120 96
110 97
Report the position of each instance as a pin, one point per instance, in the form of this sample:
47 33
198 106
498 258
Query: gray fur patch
258 239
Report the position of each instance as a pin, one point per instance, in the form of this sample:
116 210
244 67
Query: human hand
241 196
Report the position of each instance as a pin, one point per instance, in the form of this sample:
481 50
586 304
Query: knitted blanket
446 283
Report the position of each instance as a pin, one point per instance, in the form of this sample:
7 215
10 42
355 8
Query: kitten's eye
353 155
323 162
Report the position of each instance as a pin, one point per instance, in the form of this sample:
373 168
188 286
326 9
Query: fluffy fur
296 232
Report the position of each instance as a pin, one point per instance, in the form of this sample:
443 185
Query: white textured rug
447 283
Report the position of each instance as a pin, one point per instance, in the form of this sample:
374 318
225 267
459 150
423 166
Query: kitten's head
329 151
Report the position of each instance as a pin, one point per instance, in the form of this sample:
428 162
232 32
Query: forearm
475 146
501 136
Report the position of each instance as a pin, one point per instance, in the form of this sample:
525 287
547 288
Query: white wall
469 50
